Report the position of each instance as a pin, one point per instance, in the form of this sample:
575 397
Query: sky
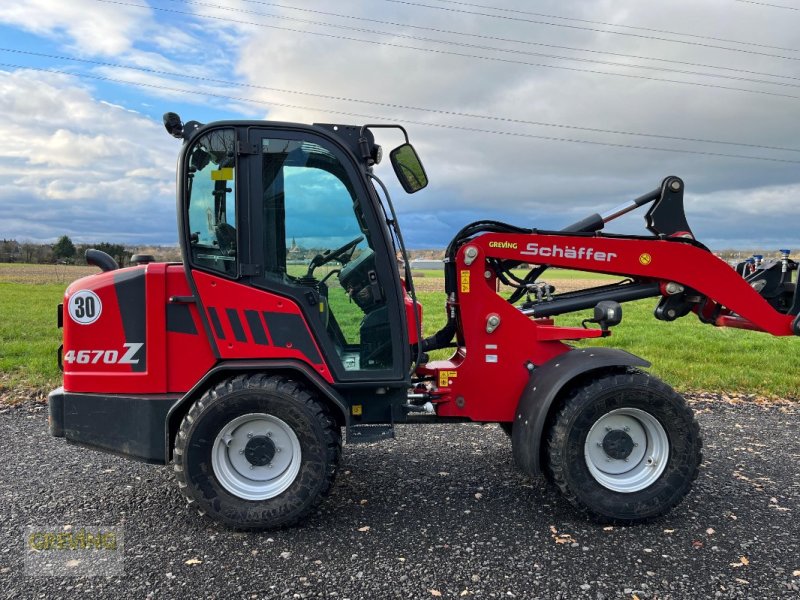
534 113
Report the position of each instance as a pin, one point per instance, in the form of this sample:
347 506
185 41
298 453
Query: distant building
424 264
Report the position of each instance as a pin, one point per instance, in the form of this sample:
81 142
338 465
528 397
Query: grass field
686 353
29 337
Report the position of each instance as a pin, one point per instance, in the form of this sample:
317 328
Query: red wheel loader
290 320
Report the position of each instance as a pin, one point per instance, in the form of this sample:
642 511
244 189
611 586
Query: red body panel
171 359
484 383
189 357
133 311
411 324
229 301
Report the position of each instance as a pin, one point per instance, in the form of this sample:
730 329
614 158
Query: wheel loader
291 325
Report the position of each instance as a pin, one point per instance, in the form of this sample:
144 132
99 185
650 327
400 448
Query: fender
224 369
544 386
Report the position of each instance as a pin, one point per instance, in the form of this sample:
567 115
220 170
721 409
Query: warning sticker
224 174
445 377
465 282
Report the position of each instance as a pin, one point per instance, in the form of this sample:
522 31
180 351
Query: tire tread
560 425
275 384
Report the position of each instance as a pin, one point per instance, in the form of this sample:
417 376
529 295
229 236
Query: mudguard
543 388
237 367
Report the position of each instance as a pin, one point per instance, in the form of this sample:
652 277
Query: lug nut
277 449
241 451
249 434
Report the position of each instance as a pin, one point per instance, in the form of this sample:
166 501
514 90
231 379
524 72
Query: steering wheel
330 255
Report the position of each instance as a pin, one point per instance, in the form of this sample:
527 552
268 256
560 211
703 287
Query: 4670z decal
107 357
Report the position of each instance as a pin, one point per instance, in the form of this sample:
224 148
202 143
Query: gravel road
439 512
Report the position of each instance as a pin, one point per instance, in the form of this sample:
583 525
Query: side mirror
408 168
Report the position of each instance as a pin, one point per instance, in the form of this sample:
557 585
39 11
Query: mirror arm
376 126
364 143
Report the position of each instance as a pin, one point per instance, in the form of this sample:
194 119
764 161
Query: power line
460 54
437 111
595 30
491 48
410 122
513 40
632 27
769 5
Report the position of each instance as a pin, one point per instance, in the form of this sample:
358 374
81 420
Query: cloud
544 182
75 164
503 166
92 27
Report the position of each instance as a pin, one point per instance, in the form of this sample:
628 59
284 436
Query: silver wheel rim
244 444
617 466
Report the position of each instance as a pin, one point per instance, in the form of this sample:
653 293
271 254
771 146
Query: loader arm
669 263
713 289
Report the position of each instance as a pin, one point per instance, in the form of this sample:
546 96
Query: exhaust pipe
98 258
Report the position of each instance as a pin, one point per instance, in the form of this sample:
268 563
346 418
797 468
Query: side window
316 238
212 201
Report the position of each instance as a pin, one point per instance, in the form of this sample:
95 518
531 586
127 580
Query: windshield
212 201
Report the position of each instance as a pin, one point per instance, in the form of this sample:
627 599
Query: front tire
257 452
624 448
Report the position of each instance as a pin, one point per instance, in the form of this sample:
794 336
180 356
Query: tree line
65 251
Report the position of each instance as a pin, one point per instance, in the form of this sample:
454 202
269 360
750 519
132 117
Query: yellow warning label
356 409
225 174
445 377
645 259
465 282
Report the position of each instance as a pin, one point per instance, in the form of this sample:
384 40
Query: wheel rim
256 456
626 450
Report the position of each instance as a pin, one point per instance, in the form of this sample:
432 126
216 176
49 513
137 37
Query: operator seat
226 238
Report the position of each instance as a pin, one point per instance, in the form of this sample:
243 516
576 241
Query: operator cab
291 210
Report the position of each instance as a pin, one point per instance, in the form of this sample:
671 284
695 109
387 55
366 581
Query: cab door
316 237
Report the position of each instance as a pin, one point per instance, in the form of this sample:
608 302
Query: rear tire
624 448
257 452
